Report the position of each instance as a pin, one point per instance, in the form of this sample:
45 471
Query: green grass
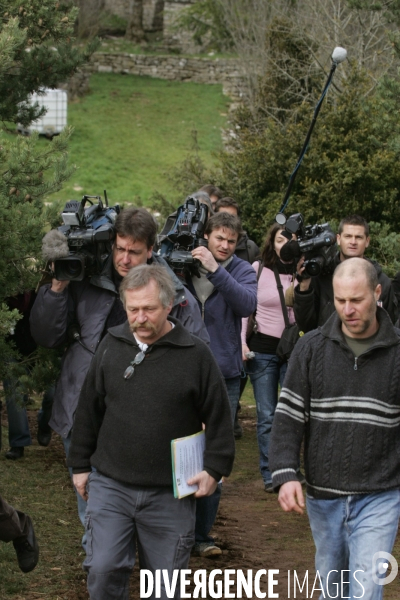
129 132
110 44
39 484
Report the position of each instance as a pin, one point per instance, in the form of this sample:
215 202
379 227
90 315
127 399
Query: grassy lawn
120 44
130 131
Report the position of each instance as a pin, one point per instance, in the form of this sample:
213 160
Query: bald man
342 393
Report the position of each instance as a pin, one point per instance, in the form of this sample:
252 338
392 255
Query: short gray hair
140 276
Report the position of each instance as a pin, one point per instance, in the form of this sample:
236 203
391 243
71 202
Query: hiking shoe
27 549
43 436
15 452
206 550
268 487
237 430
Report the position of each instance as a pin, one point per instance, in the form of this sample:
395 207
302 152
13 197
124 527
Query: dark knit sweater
124 428
348 410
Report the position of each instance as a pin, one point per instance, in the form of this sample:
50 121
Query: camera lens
73 268
69 269
315 265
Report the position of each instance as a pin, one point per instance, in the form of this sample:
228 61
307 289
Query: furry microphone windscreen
54 245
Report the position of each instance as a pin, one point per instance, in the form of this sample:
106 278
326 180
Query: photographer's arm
49 315
239 293
305 302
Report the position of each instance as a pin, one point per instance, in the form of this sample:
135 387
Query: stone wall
198 70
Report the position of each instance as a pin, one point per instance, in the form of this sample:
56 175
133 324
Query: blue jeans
233 388
206 513
266 373
347 533
18 426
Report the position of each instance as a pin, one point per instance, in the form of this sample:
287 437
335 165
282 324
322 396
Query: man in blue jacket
226 291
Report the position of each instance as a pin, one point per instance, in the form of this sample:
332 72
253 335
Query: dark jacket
347 409
314 307
124 427
246 249
87 304
21 336
234 297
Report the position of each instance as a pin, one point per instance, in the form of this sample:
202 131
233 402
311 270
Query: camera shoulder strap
260 268
281 297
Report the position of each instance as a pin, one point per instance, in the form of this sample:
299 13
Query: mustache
149 326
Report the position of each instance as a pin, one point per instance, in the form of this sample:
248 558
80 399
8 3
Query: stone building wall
178 38
198 70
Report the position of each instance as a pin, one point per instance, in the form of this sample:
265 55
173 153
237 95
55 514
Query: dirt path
252 531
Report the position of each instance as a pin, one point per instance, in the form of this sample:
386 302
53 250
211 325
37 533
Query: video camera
185 234
80 246
316 242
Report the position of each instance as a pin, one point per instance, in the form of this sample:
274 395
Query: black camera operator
79 312
313 296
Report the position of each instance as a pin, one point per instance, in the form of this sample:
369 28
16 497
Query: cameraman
313 297
89 307
246 249
226 291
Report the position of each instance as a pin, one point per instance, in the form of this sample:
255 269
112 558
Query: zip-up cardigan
347 409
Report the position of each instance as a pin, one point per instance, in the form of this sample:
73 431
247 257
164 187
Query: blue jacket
234 297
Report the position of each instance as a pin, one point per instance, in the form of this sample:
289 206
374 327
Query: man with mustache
151 381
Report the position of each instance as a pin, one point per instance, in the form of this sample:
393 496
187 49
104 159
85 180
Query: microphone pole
338 55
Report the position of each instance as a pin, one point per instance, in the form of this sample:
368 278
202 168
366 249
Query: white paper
187 461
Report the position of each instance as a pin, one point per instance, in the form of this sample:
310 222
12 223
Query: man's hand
207 484
206 258
291 497
304 285
80 481
56 285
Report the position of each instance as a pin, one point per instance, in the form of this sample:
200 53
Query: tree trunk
134 29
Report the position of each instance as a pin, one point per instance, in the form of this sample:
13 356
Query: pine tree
37 50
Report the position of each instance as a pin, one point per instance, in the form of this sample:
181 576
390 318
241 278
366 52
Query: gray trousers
13 523
117 515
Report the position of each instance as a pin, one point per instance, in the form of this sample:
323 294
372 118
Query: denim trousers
18 426
206 512
207 507
117 516
266 373
348 533
233 388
